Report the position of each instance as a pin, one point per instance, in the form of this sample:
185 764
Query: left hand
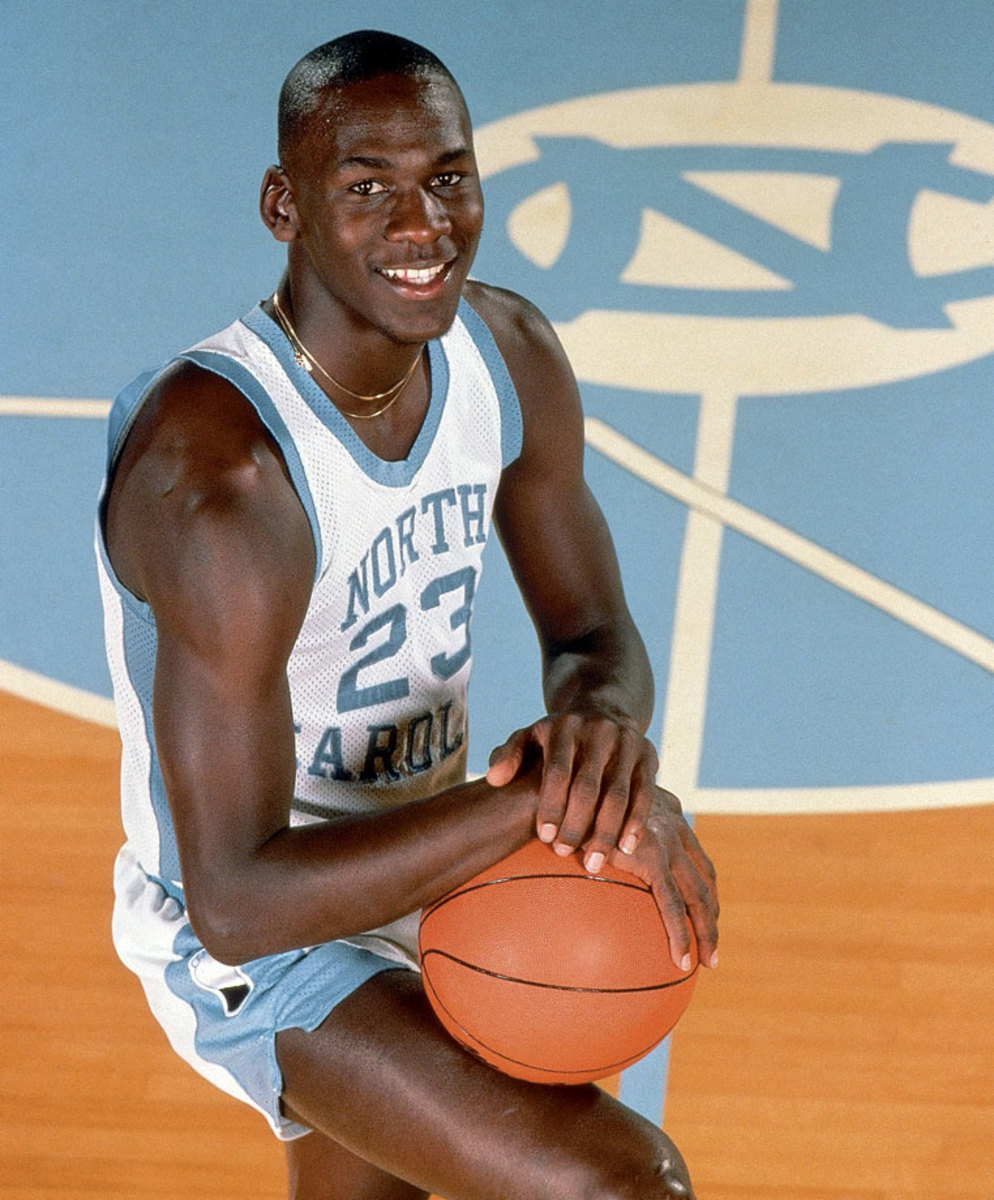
681 877
597 786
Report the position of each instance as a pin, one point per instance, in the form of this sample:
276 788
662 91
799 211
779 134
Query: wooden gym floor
843 1051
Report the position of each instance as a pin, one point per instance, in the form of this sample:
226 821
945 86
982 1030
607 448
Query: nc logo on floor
761 239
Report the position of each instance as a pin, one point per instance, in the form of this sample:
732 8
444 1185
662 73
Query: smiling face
384 206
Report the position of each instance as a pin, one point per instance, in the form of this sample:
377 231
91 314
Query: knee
664 1179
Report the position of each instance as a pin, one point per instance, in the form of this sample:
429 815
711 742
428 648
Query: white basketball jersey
379 673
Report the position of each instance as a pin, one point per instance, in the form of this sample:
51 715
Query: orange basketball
549 973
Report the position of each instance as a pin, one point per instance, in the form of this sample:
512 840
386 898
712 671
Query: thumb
506 760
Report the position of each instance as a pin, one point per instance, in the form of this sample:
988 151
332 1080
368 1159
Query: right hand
597 774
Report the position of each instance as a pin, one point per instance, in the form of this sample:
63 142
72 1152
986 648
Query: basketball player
291 540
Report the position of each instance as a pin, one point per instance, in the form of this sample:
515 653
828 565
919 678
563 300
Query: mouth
418 281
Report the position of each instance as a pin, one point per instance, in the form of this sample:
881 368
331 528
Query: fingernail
685 963
594 862
713 961
629 844
547 832
562 850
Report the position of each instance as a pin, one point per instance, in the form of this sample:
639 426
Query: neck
362 361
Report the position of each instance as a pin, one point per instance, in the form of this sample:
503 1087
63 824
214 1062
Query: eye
367 187
448 179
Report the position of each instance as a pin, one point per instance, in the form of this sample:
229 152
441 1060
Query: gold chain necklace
308 362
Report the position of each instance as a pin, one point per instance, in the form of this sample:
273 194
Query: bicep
224 741
228 577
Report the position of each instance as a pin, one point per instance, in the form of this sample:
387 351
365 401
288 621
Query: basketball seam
559 987
602 1070
465 891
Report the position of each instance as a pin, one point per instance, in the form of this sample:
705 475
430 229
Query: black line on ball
601 1071
636 886
560 987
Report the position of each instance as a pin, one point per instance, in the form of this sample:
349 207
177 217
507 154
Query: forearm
606 671
315 883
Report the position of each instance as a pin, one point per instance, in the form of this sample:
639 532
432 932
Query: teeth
412 275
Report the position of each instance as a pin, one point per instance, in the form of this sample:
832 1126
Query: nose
417 216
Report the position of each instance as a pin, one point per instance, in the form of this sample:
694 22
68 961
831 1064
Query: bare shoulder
522 332
197 463
538 366
192 424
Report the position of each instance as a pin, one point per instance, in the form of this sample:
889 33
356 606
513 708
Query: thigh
382 1078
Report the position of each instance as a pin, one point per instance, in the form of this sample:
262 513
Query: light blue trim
390 474
511 426
296 989
125 409
126 406
240 377
140 644
132 605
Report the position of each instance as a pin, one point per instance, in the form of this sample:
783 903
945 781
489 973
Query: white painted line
759 39
955 793
43 406
62 697
682 739
941 628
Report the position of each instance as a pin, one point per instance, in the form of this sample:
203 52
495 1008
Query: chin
424 327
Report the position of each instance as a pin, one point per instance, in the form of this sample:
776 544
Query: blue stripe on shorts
240 1010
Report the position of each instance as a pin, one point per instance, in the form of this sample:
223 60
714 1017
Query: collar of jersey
392 474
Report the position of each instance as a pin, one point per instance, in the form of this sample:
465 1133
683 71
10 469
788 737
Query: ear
276 205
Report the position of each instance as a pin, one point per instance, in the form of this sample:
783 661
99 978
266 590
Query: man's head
312 91
377 194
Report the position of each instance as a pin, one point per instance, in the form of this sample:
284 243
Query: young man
291 540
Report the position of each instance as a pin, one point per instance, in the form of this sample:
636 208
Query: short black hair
353 58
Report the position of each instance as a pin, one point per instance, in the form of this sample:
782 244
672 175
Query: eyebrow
372 163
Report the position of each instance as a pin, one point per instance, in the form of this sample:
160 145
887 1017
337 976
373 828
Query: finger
506 760
705 873
582 803
620 785
642 795
673 911
557 776
703 866
594 756
610 816
700 902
